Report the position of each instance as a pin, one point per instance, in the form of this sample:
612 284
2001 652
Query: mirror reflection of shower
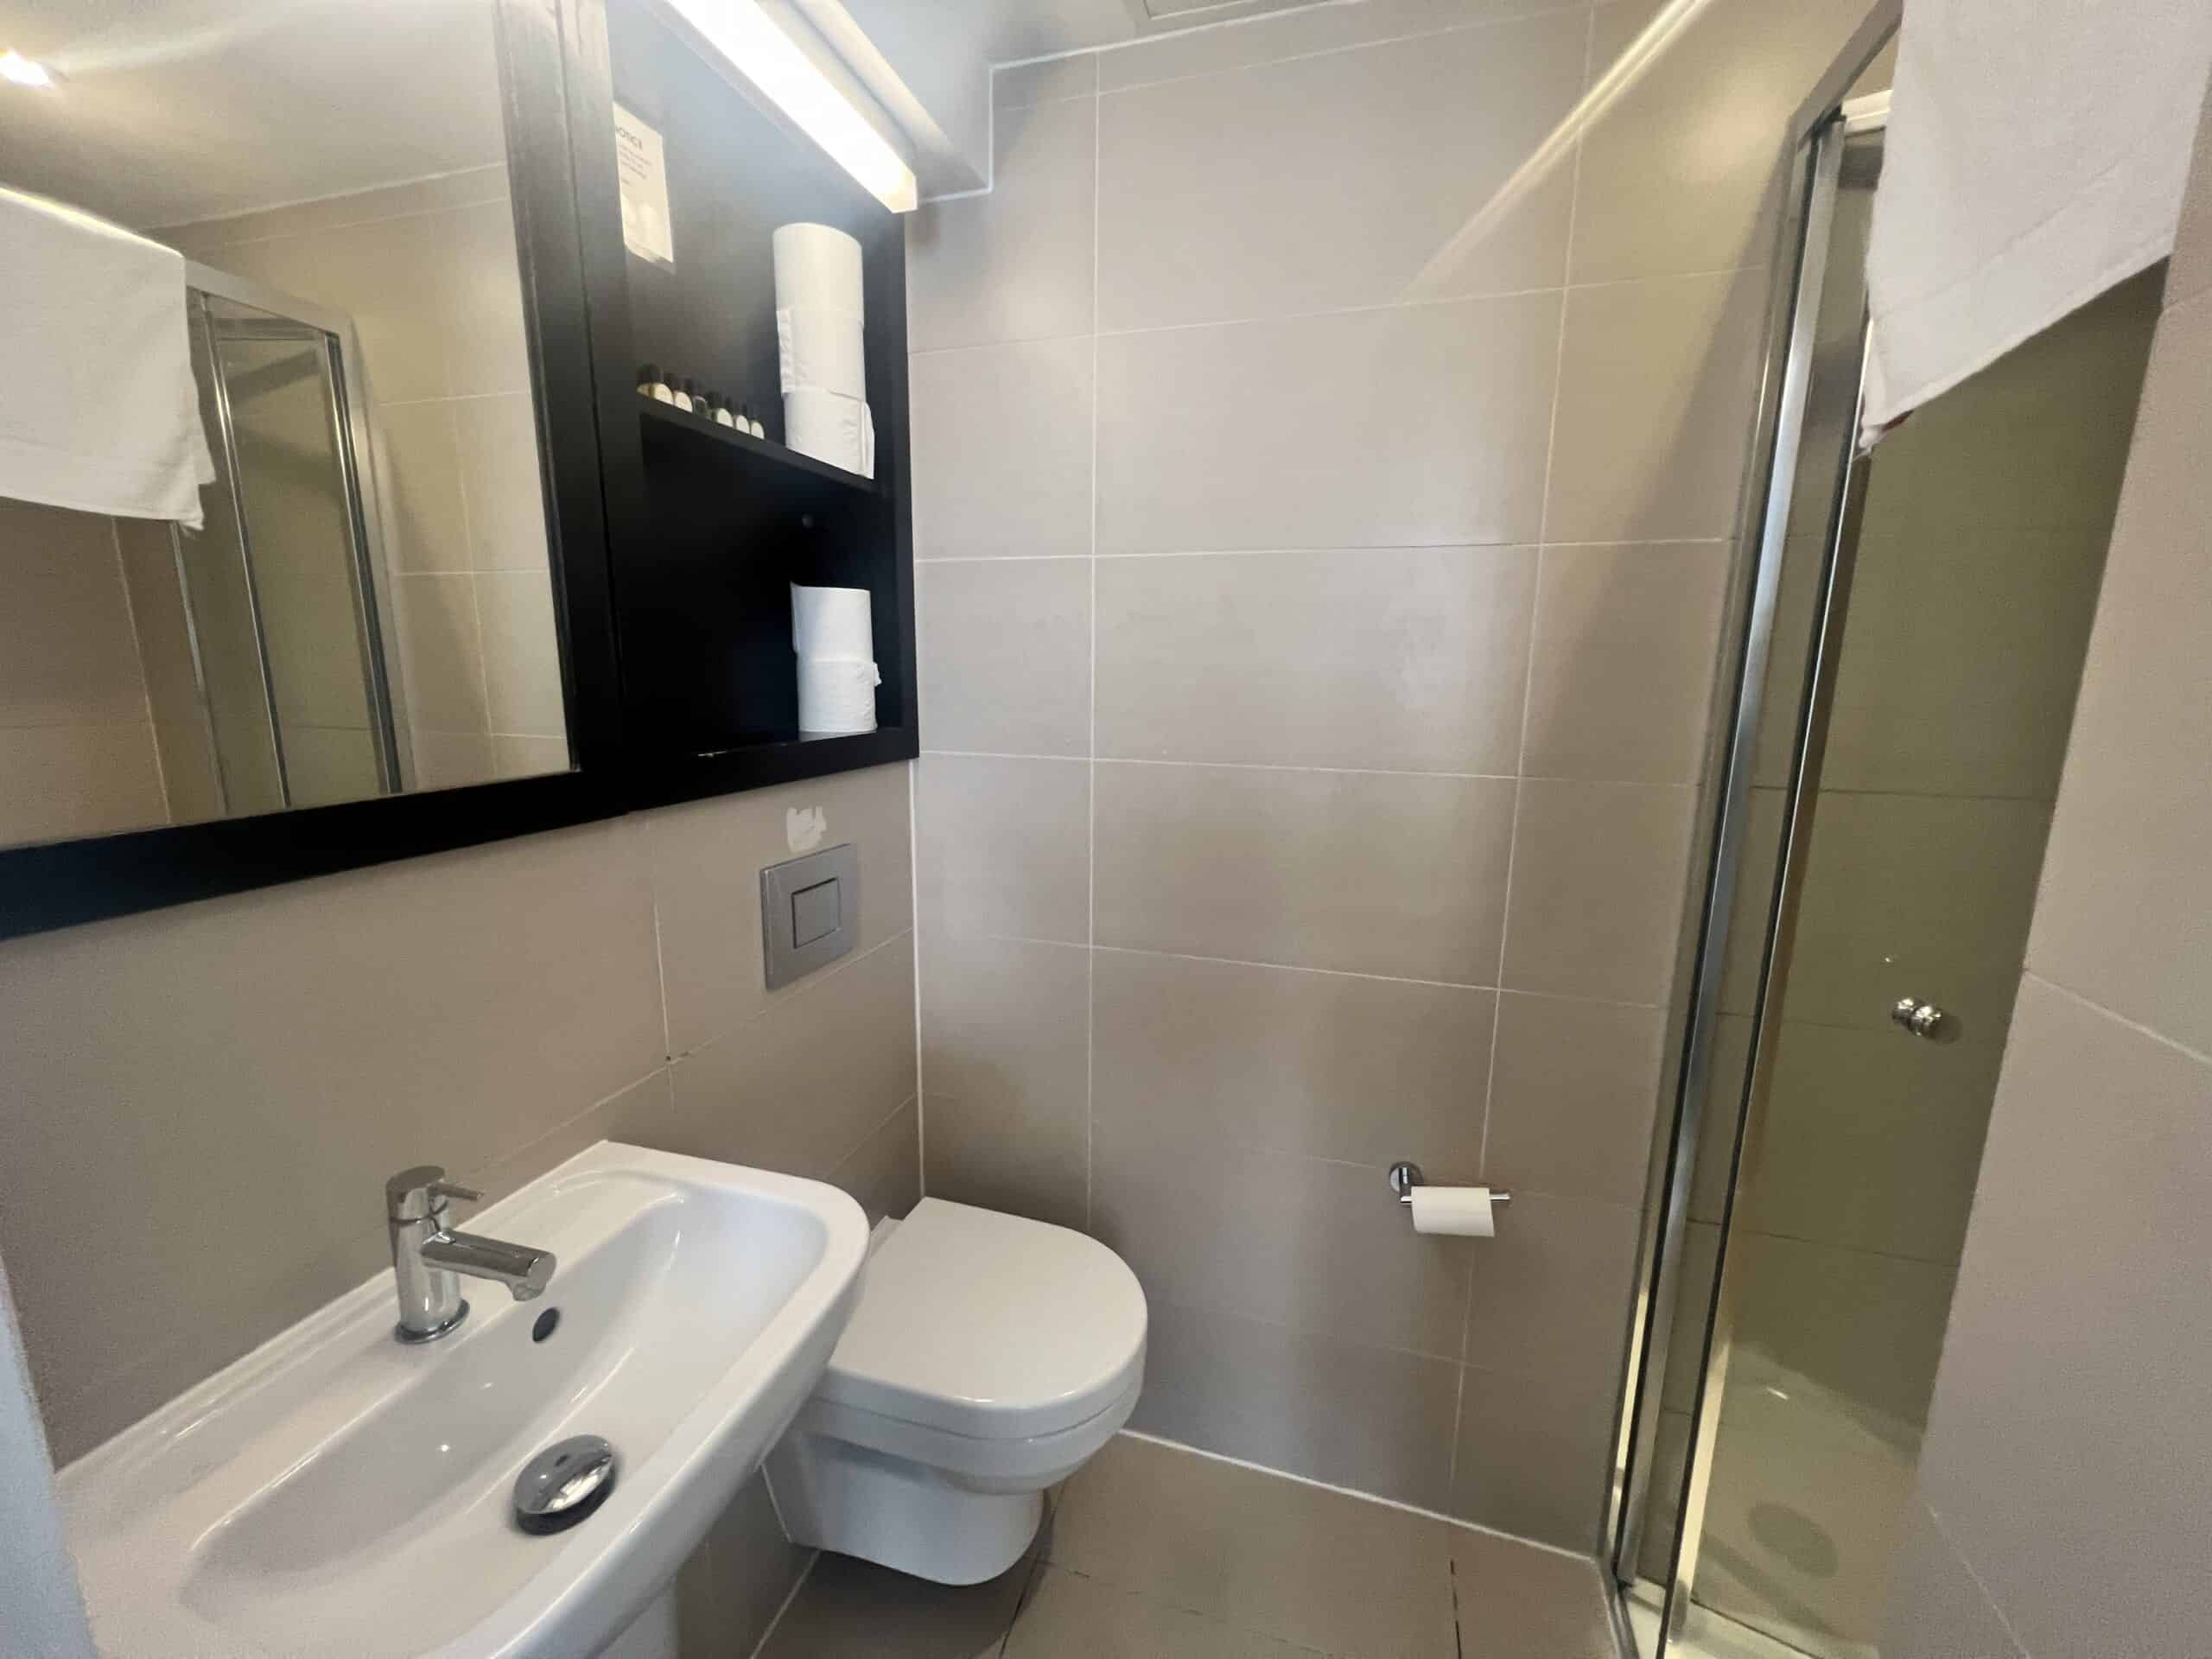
296 702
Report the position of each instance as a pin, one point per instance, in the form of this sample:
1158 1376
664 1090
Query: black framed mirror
389 631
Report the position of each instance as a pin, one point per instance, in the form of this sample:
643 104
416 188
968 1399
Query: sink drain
563 1483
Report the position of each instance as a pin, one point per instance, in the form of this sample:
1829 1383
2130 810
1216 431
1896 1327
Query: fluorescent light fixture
773 61
15 67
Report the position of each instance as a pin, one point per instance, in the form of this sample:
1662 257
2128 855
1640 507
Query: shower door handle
1921 1019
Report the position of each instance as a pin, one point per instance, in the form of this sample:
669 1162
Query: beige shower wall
428 272
1326 450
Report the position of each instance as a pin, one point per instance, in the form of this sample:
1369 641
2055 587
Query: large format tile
1915 894
849 1607
1254 192
1677 172
1306 1566
733 1585
418 460
1369 872
1017 86
2074 1385
1937 1607
1003 846
884 1173
1014 263
441 654
1295 32
1006 1069
1534 1453
1551 1291
1067 1616
1299 1402
1519 1602
65 781
706 860
1657 386
807 1081
2126 887
1293 1241
1005 648
1335 1065
1400 658
67 654
1626 647
1598 874
522 654
501 481
298 1043
1411 426
1002 437
1573 1092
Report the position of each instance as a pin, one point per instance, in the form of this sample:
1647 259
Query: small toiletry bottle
650 384
678 395
746 420
698 399
722 416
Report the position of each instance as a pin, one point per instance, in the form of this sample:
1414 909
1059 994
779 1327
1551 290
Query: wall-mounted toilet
990 1358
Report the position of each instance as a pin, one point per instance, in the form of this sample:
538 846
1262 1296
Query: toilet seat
988 1326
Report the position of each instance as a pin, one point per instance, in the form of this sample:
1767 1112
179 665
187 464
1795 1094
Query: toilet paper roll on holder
1406 1176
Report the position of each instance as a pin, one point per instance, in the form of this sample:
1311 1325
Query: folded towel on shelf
98 407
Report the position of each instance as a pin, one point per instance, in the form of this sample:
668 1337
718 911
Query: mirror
368 607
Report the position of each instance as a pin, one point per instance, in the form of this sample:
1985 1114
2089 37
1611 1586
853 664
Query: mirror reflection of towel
97 408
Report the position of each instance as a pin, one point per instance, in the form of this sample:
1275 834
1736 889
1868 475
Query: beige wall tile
1904 890
479 280
1220 1054
807 1081
1298 31
1004 649
441 654
1288 1240
1294 1400
522 653
1006 1069
2190 272
452 759
2126 888
1532 1455
1551 1290
1937 1607
419 479
1307 1566
1534 1601
1404 657
67 655
1253 193
256 1035
1066 1614
1676 175
528 757
638 1115
1598 874
1015 264
1001 439
1003 846
2087 1344
324 763
388 276
735 1583
1626 647
706 860
190 782
1405 427
884 1173
1366 872
61 781
1656 382
1573 1093
497 440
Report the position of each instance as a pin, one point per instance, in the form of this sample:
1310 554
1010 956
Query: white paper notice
643 173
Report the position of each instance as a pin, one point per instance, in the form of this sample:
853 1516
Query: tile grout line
1354 772
1090 797
790 1595
914 909
1280 550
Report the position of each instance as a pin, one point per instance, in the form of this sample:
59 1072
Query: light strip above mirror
775 63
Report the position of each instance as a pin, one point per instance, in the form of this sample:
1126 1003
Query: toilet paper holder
1405 1176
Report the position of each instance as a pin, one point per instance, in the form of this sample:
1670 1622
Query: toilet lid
990 1325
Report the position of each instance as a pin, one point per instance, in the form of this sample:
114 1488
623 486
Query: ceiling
171 111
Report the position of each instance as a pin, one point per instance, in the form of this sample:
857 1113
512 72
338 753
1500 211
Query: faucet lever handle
414 1194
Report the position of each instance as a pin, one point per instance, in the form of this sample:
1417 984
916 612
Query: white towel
2036 156
97 408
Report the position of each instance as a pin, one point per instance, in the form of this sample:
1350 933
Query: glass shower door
1932 606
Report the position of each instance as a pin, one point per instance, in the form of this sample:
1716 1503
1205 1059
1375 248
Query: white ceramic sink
338 1493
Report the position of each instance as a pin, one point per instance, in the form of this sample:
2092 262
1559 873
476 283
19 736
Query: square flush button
814 912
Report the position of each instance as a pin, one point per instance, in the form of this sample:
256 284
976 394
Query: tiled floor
1155 1552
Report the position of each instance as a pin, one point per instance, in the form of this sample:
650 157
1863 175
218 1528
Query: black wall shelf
743 453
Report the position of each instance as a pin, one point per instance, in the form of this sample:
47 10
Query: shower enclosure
281 590
1907 642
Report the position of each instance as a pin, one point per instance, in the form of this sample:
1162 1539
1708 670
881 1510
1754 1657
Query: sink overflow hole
548 1323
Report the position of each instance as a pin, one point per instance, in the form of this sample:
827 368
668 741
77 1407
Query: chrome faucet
428 1257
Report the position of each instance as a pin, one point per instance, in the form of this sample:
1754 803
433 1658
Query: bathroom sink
337 1492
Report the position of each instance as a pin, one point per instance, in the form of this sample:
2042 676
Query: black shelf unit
707 527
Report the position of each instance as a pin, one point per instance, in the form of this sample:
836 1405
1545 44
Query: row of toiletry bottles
691 395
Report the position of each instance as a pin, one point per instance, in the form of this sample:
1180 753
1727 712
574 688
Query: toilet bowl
990 1358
